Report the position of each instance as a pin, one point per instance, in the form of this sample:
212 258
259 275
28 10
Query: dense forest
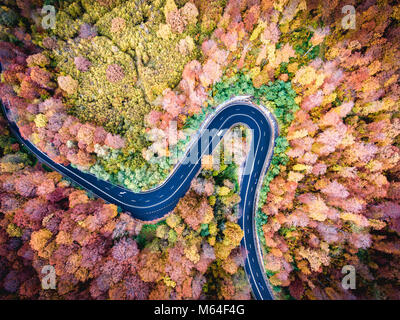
100 90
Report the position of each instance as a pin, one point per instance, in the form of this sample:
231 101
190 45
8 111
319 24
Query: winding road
156 203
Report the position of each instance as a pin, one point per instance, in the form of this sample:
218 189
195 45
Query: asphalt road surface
156 203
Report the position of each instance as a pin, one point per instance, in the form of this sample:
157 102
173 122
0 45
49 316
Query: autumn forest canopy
99 85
